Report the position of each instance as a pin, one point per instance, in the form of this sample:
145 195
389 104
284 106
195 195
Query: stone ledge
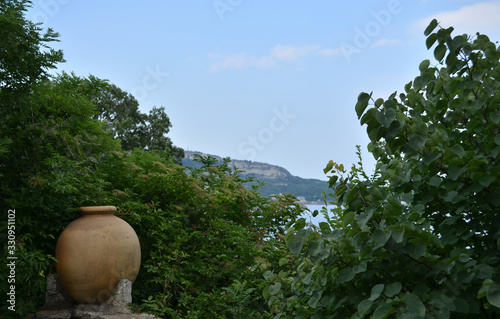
58 305
68 314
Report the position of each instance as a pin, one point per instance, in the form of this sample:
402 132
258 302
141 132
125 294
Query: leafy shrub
420 238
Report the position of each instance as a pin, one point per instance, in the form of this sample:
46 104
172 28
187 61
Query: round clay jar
95 252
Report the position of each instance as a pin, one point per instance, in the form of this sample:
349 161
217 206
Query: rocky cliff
277 179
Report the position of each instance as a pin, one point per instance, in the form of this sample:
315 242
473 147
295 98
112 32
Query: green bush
419 238
205 238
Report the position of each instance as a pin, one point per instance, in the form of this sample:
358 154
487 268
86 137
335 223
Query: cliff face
261 169
256 169
277 179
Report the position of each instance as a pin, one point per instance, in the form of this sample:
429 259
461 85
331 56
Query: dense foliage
68 141
419 238
119 111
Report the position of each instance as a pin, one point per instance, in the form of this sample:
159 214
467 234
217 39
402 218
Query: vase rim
97 210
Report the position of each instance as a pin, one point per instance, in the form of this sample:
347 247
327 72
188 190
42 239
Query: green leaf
393 289
314 300
283 261
415 306
440 51
300 223
376 291
346 275
295 245
430 157
348 218
458 149
359 268
429 42
380 237
495 118
274 289
383 311
369 115
362 103
424 65
435 181
265 293
386 118
486 180
497 139
340 190
461 305
398 235
364 217
333 180
493 295
364 306
416 250
316 247
308 278
328 167
434 23
379 102
417 141
486 285
464 258
390 114
325 228
454 172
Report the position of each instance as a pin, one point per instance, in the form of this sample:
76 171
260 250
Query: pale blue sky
269 81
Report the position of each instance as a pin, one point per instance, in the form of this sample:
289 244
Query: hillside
277 179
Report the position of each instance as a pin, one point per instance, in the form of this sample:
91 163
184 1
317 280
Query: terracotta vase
95 252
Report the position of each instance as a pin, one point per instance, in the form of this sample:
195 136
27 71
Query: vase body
95 252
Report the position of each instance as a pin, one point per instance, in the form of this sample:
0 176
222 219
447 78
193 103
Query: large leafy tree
25 59
47 130
120 112
204 235
25 56
420 238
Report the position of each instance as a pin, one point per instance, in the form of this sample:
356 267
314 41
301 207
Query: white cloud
280 53
482 17
330 52
240 61
290 53
385 41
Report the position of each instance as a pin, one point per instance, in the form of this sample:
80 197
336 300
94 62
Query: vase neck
97 210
